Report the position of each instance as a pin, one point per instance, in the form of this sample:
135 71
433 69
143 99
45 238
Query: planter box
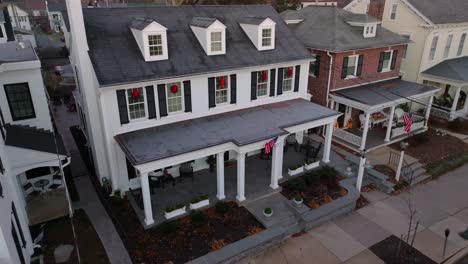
296 171
174 213
200 204
312 165
398 131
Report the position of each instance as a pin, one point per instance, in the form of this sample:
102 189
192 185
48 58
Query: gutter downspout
329 78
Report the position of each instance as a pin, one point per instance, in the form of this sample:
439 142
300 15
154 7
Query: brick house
357 72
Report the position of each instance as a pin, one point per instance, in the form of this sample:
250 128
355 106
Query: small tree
283 5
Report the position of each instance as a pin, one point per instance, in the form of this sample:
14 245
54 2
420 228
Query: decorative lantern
136 94
290 72
264 76
349 124
174 88
222 82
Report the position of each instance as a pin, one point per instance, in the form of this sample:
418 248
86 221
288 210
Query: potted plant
211 160
298 199
268 212
199 201
174 211
294 170
311 164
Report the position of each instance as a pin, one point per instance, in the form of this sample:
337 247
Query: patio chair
291 141
399 113
316 151
56 182
29 189
186 171
137 196
37 246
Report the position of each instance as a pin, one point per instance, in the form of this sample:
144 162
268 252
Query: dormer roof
203 22
253 20
123 63
142 23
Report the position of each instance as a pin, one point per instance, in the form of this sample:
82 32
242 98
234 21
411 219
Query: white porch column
455 102
332 104
362 163
145 191
364 132
390 124
240 177
277 163
328 141
220 175
428 110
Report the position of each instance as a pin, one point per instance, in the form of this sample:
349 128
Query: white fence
348 137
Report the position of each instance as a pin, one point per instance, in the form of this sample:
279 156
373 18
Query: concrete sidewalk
439 204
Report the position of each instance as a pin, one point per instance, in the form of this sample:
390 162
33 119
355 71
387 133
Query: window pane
19 100
448 45
287 79
216 41
461 45
221 91
136 103
262 83
433 47
155 45
352 65
266 37
174 100
386 61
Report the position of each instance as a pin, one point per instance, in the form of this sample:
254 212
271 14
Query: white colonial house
35 153
162 98
355 6
19 17
438 52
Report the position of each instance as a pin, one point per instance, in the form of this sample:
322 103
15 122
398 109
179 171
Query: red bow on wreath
174 88
264 76
222 82
136 94
290 72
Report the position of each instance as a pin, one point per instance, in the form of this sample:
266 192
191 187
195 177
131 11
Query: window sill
386 70
312 75
350 77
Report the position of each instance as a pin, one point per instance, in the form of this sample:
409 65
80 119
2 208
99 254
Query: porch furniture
56 182
265 156
291 141
316 151
29 189
378 118
137 196
186 170
362 120
41 184
399 113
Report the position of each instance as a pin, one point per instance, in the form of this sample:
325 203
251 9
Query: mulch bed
361 202
393 250
459 126
59 232
400 186
384 169
423 146
181 240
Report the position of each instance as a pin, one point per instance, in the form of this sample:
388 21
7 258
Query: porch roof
453 69
390 92
241 127
32 138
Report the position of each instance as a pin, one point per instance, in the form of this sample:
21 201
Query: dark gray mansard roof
117 59
32 138
241 127
443 11
326 28
11 52
453 69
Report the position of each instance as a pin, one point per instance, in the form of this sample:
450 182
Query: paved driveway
439 204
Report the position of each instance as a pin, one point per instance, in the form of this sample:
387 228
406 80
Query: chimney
8 26
77 26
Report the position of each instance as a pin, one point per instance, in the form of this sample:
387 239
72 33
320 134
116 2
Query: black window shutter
382 54
233 88
151 102
359 65
17 243
317 66
187 96
15 215
253 86
344 70
130 170
122 102
297 78
394 58
211 92
162 99
272 82
279 87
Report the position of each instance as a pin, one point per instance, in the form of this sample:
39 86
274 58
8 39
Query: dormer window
151 38
266 37
261 31
369 31
211 34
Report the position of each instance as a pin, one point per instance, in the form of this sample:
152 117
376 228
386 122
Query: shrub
296 185
327 172
298 198
168 227
268 210
173 208
441 167
199 198
421 138
312 178
197 218
222 208
295 167
310 161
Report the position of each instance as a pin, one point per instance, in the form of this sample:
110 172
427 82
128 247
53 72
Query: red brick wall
376 8
318 85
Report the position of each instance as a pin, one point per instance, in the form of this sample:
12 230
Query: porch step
261 195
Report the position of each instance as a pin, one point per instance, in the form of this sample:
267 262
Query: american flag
269 145
408 119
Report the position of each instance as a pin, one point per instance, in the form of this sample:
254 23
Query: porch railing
406 170
348 137
418 123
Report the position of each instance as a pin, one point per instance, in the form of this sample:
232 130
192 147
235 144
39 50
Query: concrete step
261 195
420 178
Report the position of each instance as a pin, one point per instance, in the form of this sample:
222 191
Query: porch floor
257 184
47 206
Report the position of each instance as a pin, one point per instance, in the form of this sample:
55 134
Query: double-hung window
288 74
262 83
222 89
155 45
352 66
461 45
387 60
216 41
266 37
433 49
448 45
136 103
20 101
393 12
174 97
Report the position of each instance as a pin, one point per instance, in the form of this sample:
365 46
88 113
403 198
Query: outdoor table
41 184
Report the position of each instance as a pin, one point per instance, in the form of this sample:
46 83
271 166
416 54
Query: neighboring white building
439 49
3 33
19 17
172 91
355 6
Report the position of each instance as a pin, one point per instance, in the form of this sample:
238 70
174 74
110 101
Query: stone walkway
89 200
439 204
